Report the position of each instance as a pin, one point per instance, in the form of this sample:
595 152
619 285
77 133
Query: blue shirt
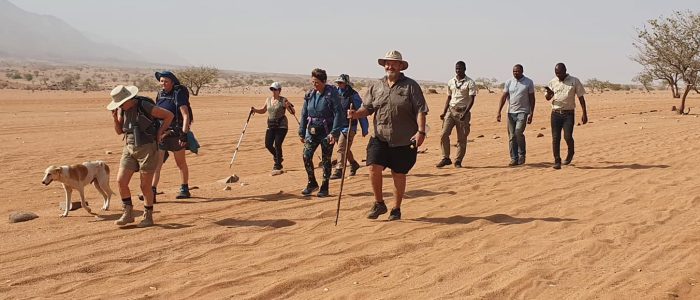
356 104
519 94
167 101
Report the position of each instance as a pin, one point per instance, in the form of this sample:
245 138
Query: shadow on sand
232 223
502 219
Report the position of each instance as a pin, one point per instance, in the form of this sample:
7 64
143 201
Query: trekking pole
240 139
345 161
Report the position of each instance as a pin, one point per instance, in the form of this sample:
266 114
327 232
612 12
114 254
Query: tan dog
77 177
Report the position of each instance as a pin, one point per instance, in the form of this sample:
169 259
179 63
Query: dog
77 177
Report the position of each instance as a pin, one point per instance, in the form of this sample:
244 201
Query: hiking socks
148 207
127 201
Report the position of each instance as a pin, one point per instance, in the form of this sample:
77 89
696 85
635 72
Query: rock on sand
22 216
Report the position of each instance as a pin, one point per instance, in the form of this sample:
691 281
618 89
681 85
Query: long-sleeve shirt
321 109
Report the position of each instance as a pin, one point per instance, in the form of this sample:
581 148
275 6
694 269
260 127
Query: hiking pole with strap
345 161
240 139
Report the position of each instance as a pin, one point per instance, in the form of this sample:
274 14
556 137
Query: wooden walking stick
345 161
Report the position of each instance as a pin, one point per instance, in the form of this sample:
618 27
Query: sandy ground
622 222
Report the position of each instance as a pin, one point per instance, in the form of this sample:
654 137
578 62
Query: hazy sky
594 38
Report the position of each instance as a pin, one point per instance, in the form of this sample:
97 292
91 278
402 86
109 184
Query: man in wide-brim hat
399 109
135 117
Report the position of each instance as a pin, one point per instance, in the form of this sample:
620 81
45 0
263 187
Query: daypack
147 124
177 89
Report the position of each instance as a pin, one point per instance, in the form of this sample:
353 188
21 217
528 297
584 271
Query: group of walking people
330 115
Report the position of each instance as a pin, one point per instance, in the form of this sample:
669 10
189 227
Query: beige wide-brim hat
393 55
121 94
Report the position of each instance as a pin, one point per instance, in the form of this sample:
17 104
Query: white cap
275 86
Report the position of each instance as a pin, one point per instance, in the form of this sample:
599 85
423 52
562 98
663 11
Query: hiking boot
568 159
127 217
311 187
444 162
458 163
337 174
395 214
354 166
379 208
184 193
147 219
513 163
324 190
521 160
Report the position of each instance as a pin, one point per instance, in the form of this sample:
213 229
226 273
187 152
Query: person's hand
419 138
115 114
351 114
529 119
498 118
331 139
442 116
252 109
584 118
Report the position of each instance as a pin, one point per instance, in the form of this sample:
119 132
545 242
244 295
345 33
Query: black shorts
399 159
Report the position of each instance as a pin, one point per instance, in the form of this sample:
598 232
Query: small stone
325 289
227 188
578 124
495 137
355 283
243 184
22 216
480 136
276 172
540 135
641 127
543 128
108 152
385 275
153 288
625 123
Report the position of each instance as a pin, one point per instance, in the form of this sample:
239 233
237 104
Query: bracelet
421 132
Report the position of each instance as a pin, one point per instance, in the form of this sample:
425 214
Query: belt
562 111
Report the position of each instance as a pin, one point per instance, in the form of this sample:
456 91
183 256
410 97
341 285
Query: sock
127 201
148 207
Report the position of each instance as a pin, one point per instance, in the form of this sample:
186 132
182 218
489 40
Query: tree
485 83
670 46
645 79
196 77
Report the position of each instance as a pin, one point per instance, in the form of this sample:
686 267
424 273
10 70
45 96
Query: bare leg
399 187
146 179
123 177
375 176
182 165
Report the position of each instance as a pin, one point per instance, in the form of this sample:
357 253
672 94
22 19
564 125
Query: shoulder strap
140 109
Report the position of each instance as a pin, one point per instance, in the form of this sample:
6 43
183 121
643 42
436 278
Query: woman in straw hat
277 124
134 116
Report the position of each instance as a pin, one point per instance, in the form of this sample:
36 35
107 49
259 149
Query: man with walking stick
399 109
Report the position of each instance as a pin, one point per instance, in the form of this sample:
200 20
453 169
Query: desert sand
621 222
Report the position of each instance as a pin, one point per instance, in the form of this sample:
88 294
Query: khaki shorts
143 158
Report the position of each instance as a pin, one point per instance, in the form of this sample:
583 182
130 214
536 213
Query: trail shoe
324 190
127 217
337 174
311 187
354 166
444 162
395 214
568 159
147 219
458 164
557 165
379 208
184 193
521 160
513 163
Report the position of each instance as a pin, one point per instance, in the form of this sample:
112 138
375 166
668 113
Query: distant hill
27 35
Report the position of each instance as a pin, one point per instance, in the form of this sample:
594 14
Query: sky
593 38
